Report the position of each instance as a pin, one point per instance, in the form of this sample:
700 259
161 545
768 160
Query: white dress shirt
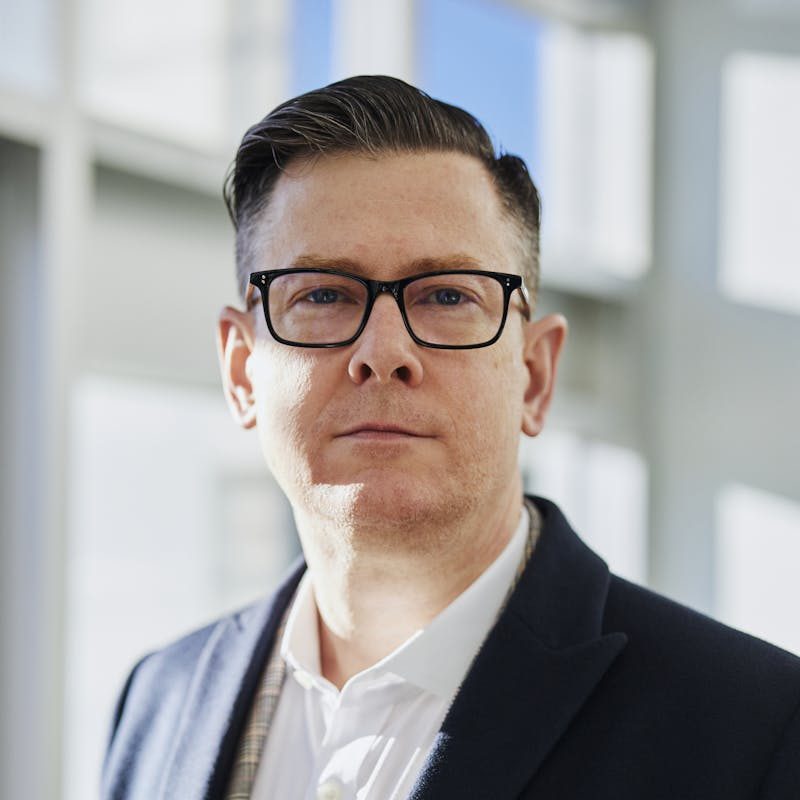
370 740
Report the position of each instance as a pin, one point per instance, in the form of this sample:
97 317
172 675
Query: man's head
383 430
370 116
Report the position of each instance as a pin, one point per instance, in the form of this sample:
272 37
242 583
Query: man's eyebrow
453 261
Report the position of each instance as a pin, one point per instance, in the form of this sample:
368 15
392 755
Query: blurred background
664 138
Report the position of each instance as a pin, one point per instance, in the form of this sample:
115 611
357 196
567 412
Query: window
201 525
760 213
193 71
600 487
575 104
311 53
485 57
757 553
29 44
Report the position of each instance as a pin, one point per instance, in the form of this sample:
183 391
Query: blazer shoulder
670 636
147 713
163 687
173 664
702 687
159 681
171 667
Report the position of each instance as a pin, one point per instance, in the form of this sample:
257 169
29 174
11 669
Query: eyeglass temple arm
527 308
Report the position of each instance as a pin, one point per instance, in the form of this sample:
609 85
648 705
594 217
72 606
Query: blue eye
323 296
447 297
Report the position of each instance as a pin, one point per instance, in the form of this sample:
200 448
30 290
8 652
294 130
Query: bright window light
596 134
602 490
757 557
29 43
174 520
760 210
485 57
580 115
192 71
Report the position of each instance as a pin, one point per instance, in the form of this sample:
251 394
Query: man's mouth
380 430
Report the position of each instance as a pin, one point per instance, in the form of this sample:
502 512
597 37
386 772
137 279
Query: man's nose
385 351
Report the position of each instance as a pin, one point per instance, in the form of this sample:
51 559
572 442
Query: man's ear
235 342
543 342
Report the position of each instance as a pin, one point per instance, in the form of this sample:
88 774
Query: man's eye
323 296
442 297
447 297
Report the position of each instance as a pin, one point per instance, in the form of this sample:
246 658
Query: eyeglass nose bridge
393 288
386 287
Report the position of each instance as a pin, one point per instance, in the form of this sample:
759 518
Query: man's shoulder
178 659
678 658
673 656
211 665
159 683
655 620
653 623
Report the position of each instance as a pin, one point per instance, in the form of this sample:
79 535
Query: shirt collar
458 630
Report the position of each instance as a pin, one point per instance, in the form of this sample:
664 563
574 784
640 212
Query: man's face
455 415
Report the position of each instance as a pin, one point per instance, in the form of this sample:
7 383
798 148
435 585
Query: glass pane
760 212
194 71
576 105
602 490
311 44
485 57
757 553
28 44
202 526
596 120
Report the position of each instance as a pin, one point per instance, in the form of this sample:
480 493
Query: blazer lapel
536 669
220 696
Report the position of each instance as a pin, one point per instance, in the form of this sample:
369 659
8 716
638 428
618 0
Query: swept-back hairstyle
371 114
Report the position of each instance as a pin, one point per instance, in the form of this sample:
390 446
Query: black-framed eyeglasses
448 309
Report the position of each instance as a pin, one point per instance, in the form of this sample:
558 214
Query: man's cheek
286 381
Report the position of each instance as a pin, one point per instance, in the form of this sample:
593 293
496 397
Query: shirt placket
352 723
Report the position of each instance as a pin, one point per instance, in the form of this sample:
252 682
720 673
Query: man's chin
386 502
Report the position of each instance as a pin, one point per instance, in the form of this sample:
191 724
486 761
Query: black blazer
588 686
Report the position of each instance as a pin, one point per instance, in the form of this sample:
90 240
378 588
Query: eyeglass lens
456 308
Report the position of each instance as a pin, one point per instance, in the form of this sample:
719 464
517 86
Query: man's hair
373 115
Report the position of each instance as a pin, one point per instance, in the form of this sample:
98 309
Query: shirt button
303 678
330 790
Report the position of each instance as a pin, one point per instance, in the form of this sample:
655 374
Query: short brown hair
370 114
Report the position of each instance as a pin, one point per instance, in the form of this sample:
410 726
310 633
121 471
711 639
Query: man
448 638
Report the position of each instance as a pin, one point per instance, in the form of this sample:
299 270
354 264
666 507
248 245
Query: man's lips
380 430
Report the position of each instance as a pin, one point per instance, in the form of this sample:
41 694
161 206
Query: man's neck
371 600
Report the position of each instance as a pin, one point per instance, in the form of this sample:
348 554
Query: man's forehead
431 210
354 180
